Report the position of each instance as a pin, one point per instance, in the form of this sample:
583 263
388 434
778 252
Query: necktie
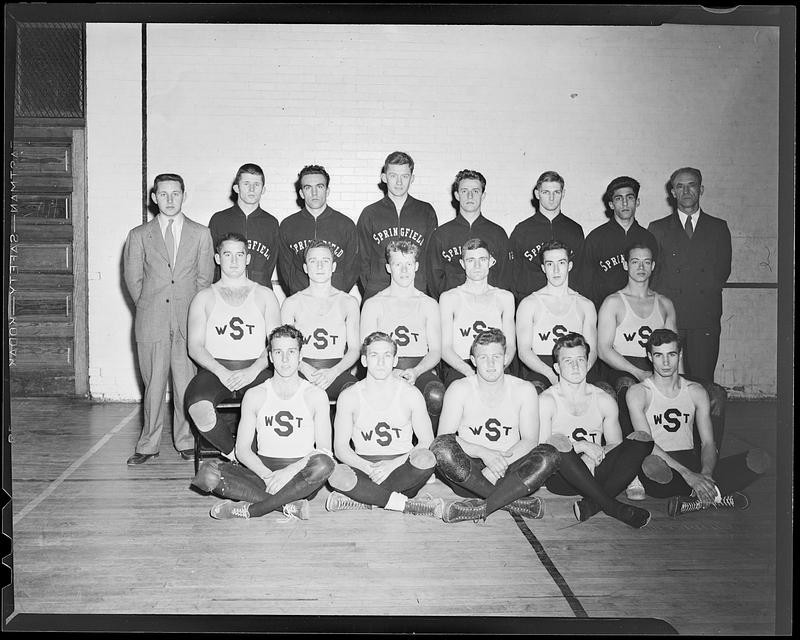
689 228
169 240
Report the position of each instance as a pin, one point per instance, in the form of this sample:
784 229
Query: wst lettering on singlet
671 419
299 247
395 232
285 422
558 331
236 328
492 429
322 339
383 434
402 335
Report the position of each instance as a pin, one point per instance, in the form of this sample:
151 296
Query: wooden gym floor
93 536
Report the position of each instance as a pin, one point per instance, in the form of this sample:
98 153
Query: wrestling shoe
228 509
635 490
297 510
585 509
339 502
678 505
467 509
633 516
527 507
425 505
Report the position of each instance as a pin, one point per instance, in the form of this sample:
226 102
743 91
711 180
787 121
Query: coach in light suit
166 261
694 262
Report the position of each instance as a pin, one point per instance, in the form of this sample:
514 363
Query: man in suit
166 262
695 261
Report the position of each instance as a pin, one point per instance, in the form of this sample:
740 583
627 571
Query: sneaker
735 500
339 502
467 509
678 505
425 505
228 509
584 509
633 516
635 490
297 510
527 507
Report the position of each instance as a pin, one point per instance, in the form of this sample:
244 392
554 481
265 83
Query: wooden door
47 298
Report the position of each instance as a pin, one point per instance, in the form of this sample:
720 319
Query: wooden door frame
80 255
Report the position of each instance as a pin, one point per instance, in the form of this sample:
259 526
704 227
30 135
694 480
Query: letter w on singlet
629 336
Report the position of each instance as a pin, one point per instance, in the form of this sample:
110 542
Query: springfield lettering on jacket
610 263
532 254
299 247
259 248
395 232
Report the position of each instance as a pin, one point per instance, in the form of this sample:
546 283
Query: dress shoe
139 458
187 454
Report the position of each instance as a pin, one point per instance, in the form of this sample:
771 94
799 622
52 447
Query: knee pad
538 465
758 460
600 384
450 458
208 476
655 468
539 386
343 478
203 414
623 383
434 397
422 458
318 469
560 442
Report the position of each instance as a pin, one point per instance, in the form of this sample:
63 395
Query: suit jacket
162 295
693 272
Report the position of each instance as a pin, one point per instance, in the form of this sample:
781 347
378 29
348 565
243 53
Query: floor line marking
555 574
73 467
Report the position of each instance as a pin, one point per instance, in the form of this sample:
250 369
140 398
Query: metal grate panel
50 70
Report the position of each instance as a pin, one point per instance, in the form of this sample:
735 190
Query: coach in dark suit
166 261
694 262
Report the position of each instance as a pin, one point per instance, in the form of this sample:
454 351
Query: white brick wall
114 150
509 101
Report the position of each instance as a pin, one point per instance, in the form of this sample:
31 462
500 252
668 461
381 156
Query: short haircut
228 237
549 176
378 336
318 244
251 168
571 339
662 336
401 246
552 245
475 243
696 172
286 331
469 174
398 157
491 335
168 177
313 169
619 183
637 245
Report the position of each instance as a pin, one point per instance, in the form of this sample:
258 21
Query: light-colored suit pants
156 361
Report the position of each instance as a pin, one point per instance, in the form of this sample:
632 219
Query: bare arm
353 351
509 330
433 334
369 318
529 425
526 314
343 425
252 401
608 319
589 329
447 314
420 420
612 432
